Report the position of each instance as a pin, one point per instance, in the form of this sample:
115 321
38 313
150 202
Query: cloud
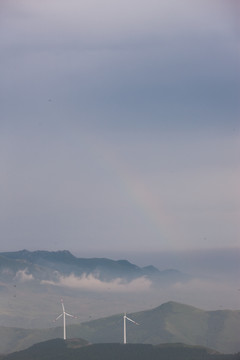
23 276
111 19
91 283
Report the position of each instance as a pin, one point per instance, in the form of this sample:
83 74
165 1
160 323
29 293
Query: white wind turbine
63 314
125 327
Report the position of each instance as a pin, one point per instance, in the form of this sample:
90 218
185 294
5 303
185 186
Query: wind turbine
125 327
63 314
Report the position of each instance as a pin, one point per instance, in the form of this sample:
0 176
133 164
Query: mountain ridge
170 322
66 263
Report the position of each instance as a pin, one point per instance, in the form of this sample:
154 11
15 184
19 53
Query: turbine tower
125 327
63 314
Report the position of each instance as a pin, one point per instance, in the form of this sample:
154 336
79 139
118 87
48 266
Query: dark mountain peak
21 254
176 307
61 255
127 264
32 256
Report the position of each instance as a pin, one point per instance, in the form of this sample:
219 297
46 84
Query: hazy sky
119 124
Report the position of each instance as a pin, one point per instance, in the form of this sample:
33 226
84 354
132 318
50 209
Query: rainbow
139 194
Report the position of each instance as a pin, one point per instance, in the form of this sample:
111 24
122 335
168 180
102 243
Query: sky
119 127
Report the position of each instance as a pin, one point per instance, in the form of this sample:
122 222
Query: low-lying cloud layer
206 293
91 283
23 276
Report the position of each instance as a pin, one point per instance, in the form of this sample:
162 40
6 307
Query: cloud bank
91 283
23 276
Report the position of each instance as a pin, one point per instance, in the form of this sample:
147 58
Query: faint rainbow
137 191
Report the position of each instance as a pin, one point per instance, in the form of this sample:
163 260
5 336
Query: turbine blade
58 317
62 305
75 317
131 320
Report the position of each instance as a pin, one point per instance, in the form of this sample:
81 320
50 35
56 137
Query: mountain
74 349
169 323
32 283
46 266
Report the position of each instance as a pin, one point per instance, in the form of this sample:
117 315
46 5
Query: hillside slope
60 350
169 323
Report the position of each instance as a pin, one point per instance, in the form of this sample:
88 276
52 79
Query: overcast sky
119 125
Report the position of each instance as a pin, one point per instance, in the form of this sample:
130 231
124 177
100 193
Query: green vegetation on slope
73 350
169 323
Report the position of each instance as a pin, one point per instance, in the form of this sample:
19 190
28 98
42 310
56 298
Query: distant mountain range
76 349
51 266
169 323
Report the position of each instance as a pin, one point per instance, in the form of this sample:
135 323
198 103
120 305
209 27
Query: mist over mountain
51 266
32 283
95 290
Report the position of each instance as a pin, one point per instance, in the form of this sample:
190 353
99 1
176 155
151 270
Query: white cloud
89 282
23 276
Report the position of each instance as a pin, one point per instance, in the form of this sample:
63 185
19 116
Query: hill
61 350
169 323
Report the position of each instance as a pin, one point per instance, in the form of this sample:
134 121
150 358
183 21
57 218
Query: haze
119 127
